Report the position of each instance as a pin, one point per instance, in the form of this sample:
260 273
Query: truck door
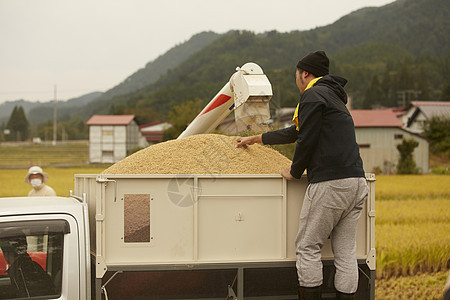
39 257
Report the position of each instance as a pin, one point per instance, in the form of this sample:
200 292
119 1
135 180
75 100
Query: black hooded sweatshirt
326 143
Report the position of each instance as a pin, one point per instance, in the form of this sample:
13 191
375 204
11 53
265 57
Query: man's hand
249 140
286 173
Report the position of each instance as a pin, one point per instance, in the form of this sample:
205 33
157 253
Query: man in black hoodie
326 148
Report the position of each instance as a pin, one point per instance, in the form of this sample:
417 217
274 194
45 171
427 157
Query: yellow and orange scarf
295 117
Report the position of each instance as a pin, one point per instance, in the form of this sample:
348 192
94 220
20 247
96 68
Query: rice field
60 179
412 239
424 286
16 155
412 218
401 187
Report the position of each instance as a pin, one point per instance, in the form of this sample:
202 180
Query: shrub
406 163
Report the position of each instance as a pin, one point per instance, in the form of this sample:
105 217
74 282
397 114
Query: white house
420 111
153 132
111 137
378 132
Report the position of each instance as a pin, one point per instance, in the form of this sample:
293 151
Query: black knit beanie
316 63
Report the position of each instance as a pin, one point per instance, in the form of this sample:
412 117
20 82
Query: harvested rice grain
202 154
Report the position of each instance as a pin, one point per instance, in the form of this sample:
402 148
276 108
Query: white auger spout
248 93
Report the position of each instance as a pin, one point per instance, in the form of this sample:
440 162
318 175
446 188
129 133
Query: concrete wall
109 143
378 149
133 136
419 121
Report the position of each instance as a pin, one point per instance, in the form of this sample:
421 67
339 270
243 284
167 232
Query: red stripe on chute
220 100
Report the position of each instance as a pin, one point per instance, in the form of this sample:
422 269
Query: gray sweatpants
330 209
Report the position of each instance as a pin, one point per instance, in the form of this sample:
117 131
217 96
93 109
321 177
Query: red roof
150 124
153 138
430 103
375 118
110 120
155 132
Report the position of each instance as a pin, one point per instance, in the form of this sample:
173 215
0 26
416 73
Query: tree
388 99
73 129
76 129
18 125
405 78
406 163
423 85
374 94
180 116
437 129
445 94
143 114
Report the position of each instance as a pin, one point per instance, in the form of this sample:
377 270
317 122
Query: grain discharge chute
247 93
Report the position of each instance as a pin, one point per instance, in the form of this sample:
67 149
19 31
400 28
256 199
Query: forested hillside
154 69
402 46
83 106
390 55
37 112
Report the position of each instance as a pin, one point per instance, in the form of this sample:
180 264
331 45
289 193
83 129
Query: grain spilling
202 154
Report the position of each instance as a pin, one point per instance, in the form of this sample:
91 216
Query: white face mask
36 182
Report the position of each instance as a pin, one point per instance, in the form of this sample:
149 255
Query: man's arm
281 136
248 140
286 173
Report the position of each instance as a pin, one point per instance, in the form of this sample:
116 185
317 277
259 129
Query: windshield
31 258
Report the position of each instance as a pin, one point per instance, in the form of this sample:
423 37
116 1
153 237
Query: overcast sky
83 46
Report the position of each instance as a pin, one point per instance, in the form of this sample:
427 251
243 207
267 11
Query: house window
107 132
364 145
107 153
398 136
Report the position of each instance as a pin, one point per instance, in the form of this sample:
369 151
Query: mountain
37 112
154 69
64 109
85 107
419 26
7 107
405 43
400 46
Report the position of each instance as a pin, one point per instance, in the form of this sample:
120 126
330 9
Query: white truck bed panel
195 219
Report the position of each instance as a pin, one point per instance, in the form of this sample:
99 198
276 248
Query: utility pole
54 117
403 95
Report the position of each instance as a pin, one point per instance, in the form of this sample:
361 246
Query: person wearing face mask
37 179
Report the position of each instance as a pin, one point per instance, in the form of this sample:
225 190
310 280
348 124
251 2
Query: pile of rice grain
202 154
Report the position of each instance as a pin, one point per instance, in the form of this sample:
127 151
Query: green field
15 155
61 162
412 237
60 179
412 222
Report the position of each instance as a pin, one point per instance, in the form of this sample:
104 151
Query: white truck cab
44 248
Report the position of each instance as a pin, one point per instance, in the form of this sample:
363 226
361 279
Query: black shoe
344 296
310 293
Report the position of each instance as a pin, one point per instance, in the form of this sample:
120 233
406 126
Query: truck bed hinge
100 179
